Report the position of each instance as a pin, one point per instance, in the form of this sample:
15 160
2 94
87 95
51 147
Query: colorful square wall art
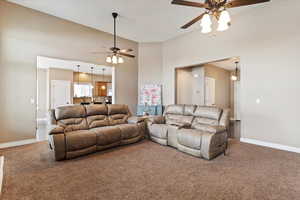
150 95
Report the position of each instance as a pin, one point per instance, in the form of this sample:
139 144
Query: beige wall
42 93
222 87
150 63
268 45
26 34
184 87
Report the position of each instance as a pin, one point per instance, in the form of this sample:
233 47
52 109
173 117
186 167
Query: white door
237 109
60 93
210 91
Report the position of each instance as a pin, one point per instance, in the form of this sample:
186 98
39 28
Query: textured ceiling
140 20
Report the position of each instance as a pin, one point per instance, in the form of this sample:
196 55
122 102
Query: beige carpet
149 171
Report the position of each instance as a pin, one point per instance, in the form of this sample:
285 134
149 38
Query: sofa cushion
117 114
205 121
73 124
117 109
209 128
117 119
96 110
208 112
107 135
128 131
178 119
189 109
158 130
174 109
66 112
76 140
97 121
190 138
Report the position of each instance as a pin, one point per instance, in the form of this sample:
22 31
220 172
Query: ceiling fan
216 9
114 53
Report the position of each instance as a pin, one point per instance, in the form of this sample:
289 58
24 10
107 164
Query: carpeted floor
147 170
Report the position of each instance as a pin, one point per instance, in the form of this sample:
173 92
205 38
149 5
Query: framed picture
151 95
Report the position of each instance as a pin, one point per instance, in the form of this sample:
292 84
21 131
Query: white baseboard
1 172
271 145
17 143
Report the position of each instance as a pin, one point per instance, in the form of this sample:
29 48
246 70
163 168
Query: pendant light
234 77
92 77
78 71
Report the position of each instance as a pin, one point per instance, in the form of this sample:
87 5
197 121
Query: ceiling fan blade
190 3
193 21
126 50
238 3
127 55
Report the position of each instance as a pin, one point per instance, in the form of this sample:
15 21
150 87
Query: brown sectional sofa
80 130
197 130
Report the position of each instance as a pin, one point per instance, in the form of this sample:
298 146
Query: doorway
215 83
210 91
61 93
64 82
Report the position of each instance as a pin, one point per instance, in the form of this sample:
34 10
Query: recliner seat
197 130
80 130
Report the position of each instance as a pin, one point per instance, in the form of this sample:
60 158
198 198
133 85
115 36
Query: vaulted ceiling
140 20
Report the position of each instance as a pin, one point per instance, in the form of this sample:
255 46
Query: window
83 90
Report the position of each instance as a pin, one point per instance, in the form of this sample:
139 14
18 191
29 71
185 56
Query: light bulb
234 77
103 87
114 59
206 29
206 21
224 17
120 60
223 26
108 59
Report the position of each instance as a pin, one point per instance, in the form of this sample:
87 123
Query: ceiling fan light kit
215 9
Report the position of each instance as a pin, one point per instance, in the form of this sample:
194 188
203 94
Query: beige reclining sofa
197 130
81 130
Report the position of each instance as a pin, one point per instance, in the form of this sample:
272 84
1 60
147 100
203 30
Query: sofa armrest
216 129
56 130
224 120
135 120
181 125
156 119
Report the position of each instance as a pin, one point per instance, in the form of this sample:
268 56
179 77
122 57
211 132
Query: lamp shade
206 29
224 17
108 59
206 21
120 60
114 59
223 26
234 77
